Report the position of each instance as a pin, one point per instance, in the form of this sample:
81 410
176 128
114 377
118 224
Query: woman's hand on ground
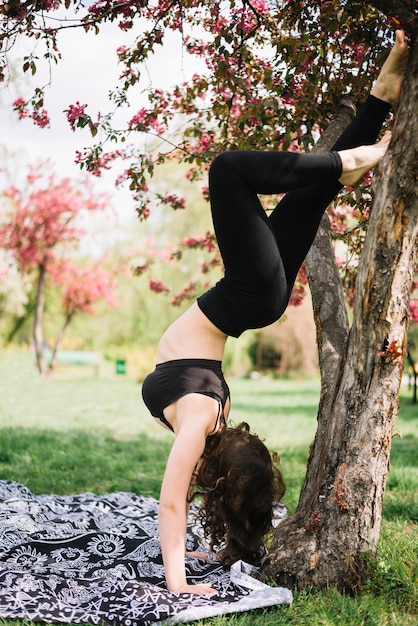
204 556
200 590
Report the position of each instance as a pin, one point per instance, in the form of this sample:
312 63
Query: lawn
80 433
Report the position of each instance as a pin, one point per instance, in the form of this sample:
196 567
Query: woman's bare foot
357 161
389 82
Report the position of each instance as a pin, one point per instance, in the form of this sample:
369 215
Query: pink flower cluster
44 221
142 210
82 287
206 141
215 262
94 160
76 115
158 286
413 310
207 242
413 305
196 47
136 179
299 289
246 18
111 9
173 200
38 115
144 120
187 293
138 270
49 5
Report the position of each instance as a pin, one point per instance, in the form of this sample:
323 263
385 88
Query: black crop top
174 379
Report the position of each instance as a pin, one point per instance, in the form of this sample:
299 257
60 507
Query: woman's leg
296 218
253 292
262 255
243 230
256 249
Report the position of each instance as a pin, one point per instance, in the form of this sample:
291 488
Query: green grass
79 433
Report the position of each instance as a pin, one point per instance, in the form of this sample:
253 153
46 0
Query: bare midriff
192 336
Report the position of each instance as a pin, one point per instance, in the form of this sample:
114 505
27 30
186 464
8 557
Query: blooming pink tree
41 230
81 288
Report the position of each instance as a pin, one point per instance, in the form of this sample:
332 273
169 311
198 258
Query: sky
83 74
87 71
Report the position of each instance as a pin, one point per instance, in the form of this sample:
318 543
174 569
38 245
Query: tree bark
57 347
339 513
37 329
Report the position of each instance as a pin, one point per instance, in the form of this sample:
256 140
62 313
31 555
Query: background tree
272 74
39 230
81 288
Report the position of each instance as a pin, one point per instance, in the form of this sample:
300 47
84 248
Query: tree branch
404 13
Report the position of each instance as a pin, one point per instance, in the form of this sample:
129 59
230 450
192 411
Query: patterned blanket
97 560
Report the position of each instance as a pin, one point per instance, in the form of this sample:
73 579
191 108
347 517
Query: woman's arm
173 510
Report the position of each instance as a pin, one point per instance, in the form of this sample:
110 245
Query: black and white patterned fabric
97 560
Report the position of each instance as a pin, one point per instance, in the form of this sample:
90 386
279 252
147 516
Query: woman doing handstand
187 393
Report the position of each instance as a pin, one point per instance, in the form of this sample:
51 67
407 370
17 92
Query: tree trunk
413 376
20 321
39 313
57 347
339 513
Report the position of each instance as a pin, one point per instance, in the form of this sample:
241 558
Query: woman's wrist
178 586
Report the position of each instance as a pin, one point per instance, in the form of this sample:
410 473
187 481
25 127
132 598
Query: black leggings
262 254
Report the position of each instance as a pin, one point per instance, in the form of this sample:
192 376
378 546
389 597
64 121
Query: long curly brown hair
239 482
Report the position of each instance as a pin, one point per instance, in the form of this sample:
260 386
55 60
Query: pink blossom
196 47
206 267
358 53
143 120
299 289
143 211
173 200
158 286
49 5
413 310
95 161
19 105
44 221
41 118
187 293
141 269
121 52
126 25
202 242
82 287
206 141
74 113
